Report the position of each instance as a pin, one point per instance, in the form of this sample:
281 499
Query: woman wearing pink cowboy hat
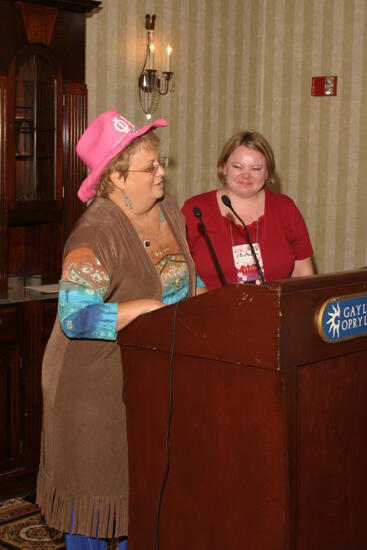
126 256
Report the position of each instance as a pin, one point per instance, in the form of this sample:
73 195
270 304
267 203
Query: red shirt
282 236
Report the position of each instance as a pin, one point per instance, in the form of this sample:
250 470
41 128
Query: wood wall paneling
75 121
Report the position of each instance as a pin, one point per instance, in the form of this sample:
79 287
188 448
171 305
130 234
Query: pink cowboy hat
105 138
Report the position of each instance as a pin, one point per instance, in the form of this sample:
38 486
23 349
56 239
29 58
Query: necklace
257 231
155 246
147 237
257 222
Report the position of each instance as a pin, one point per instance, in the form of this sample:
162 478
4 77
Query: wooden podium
268 438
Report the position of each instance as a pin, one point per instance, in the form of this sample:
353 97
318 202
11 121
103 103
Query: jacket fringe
93 516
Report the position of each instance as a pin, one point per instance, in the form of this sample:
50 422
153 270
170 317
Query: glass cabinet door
35 129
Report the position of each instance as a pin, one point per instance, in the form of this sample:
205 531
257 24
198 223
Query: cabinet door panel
10 324
35 127
10 418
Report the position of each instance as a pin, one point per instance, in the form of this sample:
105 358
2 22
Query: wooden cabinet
43 112
24 330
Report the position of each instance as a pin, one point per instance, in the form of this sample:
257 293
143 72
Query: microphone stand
197 212
227 202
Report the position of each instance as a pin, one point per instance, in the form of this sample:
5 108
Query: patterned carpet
21 526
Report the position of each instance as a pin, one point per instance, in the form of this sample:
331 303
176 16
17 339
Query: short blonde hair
121 162
252 140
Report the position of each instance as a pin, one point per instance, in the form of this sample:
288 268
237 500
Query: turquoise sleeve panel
199 282
83 314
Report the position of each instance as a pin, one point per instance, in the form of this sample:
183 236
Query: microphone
227 202
197 212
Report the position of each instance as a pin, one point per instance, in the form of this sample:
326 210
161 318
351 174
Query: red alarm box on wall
324 85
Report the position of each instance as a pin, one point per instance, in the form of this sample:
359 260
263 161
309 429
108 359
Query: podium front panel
228 476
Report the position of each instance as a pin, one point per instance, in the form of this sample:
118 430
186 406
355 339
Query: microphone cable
227 202
170 409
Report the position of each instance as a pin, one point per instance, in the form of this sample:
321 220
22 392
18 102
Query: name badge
245 264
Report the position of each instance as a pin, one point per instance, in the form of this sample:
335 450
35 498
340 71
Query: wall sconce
151 85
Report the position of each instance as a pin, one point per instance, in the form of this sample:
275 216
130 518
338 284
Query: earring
127 201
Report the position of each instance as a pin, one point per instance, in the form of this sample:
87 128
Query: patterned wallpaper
248 64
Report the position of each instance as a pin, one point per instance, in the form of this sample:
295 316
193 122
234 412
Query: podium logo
343 318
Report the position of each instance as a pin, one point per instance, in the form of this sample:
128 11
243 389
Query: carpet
21 526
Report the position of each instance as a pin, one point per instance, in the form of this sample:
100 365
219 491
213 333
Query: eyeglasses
162 162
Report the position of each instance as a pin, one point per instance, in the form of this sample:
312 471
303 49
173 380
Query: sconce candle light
169 51
151 56
151 85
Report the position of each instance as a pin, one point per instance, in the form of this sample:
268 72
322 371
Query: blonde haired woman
275 225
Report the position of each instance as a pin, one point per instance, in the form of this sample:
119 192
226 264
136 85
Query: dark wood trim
39 23
75 121
19 482
3 202
82 6
30 213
